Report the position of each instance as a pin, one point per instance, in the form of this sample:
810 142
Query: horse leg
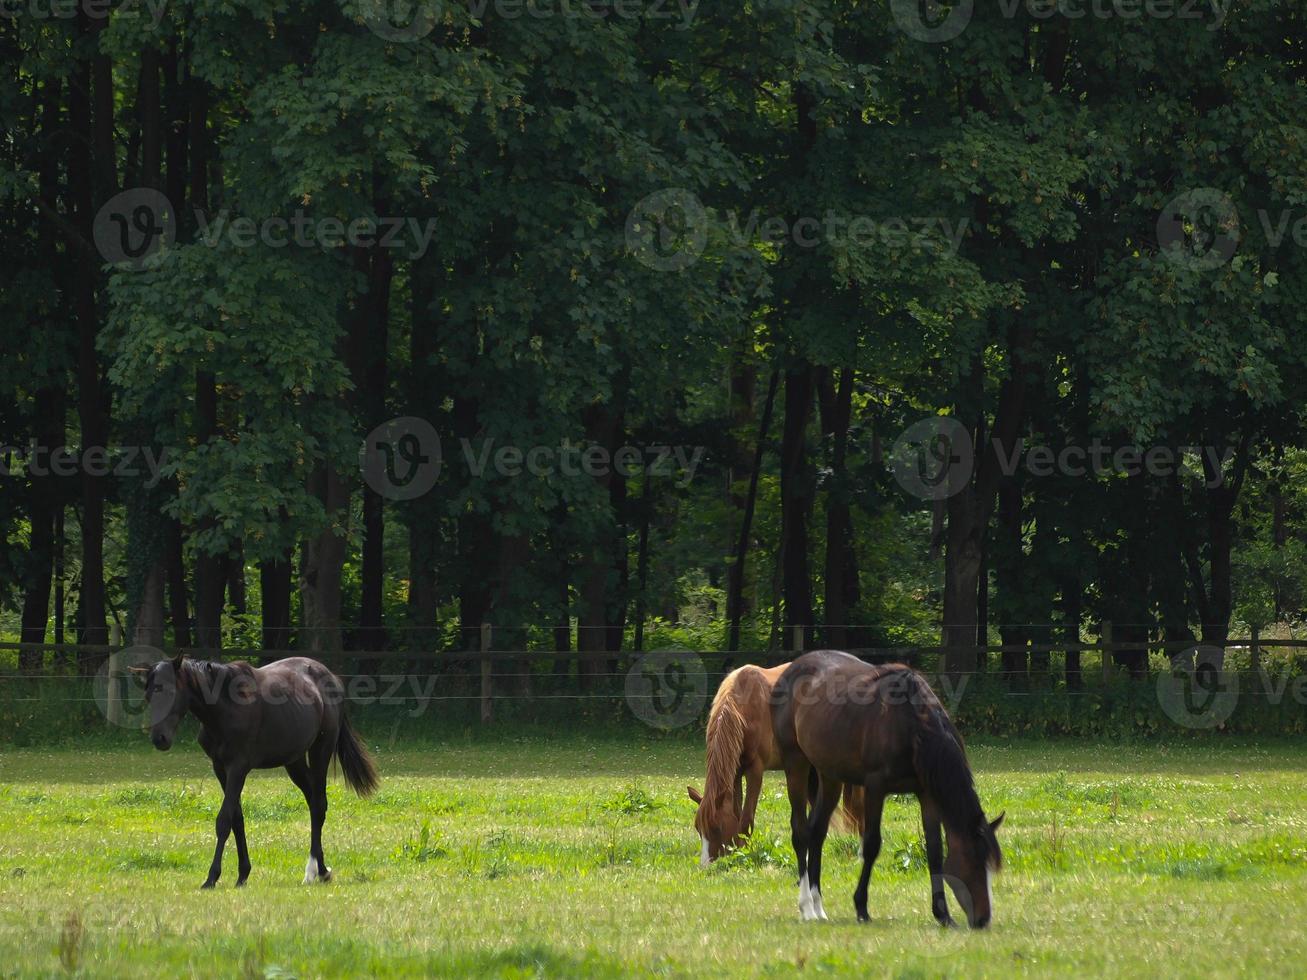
753 782
796 787
227 815
873 802
319 762
238 830
302 776
828 798
930 825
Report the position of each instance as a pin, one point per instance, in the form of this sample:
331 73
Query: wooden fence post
487 704
114 690
1105 641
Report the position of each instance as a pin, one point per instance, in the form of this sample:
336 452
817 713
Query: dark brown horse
880 727
290 713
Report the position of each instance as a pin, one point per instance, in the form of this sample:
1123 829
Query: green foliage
633 801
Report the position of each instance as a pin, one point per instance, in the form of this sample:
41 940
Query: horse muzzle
161 741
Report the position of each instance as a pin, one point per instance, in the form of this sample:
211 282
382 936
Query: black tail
359 769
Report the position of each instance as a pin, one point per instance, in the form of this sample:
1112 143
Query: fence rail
489 665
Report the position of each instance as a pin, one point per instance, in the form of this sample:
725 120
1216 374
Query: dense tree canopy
660 288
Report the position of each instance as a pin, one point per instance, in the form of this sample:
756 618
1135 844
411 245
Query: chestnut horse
740 744
290 713
881 727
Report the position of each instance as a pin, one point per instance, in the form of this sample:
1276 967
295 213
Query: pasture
525 854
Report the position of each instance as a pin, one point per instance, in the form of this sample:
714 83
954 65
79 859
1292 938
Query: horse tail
355 762
851 817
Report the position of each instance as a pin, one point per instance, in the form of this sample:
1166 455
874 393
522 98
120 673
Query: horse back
848 717
750 691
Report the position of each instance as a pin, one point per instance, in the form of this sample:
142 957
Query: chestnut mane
725 741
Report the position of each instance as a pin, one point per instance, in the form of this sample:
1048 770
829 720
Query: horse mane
725 742
941 763
213 688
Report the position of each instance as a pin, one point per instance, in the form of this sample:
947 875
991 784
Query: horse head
718 825
168 691
972 858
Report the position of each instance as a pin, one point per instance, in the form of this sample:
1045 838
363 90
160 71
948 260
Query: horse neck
942 765
202 701
725 742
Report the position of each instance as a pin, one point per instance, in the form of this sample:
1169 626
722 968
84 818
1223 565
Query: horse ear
140 675
694 795
997 822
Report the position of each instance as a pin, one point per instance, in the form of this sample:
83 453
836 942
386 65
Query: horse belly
288 736
827 741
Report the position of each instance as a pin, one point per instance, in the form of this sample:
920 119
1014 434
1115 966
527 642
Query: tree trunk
736 579
1072 613
236 580
146 527
324 557
841 572
969 509
642 559
45 494
599 571
796 482
1010 559
210 569
424 513
44 499
369 346
83 179
178 599
274 600
562 612
148 621
60 616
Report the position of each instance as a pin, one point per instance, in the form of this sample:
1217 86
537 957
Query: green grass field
567 857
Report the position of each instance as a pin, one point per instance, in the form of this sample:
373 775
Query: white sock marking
806 912
311 870
818 912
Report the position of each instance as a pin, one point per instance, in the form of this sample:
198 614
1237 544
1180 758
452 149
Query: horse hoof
325 876
240 883
863 917
207 884
947 923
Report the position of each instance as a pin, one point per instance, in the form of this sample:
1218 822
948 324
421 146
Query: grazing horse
290 713
881 727
741 745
